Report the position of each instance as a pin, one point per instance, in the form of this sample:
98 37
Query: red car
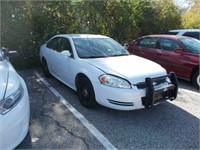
175 53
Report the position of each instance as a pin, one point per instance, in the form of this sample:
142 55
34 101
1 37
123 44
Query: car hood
9 80
133 68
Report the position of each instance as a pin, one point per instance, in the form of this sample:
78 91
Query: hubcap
198 80
85 92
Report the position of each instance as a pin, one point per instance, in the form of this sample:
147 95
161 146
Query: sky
183 3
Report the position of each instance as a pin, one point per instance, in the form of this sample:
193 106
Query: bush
26 25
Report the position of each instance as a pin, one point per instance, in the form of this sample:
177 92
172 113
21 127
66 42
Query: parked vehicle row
179 54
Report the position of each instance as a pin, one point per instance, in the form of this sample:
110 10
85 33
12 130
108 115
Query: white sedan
14 106
103 72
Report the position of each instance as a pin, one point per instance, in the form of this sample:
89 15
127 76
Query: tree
191 18
169 15
26 25
184 5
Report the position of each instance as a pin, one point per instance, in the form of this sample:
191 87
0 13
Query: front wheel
86 93
196 79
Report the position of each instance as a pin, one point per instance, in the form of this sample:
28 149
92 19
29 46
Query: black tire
86 93
196 79
45 68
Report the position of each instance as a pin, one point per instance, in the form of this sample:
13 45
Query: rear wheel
196 79
45 68
86 93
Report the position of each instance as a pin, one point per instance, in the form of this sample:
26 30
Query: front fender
90 71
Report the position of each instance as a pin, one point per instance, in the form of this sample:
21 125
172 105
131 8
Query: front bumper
14 124
142 95
154 96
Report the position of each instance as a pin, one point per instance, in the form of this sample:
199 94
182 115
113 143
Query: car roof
82 35
166 36
190 30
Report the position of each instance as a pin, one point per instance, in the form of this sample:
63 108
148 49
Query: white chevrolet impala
103 72
14 106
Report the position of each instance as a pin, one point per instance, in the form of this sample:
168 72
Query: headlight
114 81
9 102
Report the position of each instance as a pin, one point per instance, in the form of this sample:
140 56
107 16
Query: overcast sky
183 3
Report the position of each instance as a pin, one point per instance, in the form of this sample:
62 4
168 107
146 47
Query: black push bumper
154 96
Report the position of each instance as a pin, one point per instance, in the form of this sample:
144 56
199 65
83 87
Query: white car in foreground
103 72
14 106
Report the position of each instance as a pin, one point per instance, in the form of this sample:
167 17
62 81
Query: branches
123 20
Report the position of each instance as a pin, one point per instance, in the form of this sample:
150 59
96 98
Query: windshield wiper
119 55
93 57
103 56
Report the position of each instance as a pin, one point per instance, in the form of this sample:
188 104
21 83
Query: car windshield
98 47
193 45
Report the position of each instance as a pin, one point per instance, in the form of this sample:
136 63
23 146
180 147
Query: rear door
170 59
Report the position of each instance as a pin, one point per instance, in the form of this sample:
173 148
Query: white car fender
91 72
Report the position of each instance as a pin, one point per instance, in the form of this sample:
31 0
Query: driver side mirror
66 53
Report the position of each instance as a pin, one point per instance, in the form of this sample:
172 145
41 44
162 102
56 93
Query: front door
170 59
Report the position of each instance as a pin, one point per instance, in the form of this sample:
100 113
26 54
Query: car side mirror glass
66 53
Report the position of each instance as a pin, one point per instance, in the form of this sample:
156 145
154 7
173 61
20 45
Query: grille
156 81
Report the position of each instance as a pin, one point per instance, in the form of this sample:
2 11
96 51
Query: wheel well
194 70
79 77
43 59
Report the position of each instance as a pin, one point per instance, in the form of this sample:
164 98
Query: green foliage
169 15
191 19
34 22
